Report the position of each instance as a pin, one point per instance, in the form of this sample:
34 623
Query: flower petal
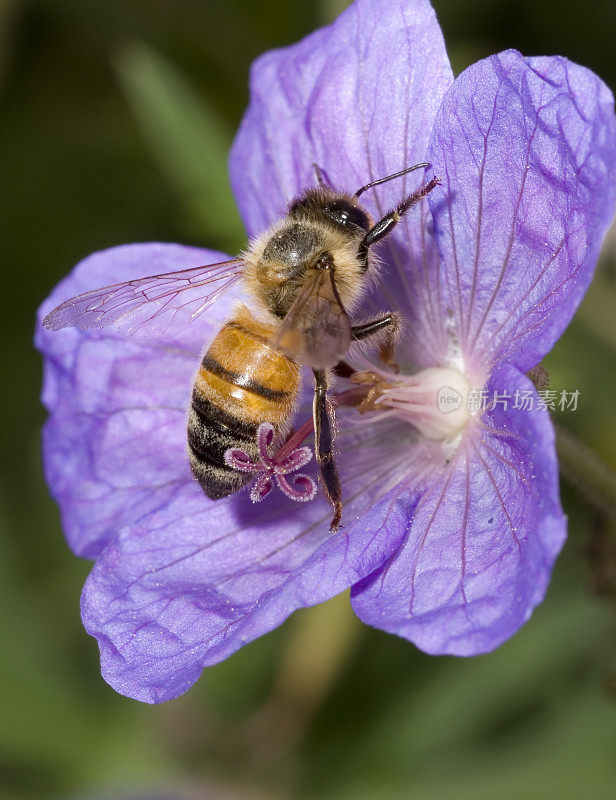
198 579
358 98
526 149
483 538
114 443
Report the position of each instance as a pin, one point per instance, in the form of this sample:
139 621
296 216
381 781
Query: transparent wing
149 306
316 331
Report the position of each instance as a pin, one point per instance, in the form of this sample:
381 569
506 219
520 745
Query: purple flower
452 521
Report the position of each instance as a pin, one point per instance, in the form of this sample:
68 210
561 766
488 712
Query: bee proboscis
305 275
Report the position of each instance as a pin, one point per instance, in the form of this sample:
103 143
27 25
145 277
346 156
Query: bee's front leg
323 446
385 329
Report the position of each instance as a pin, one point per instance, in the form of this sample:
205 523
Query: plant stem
584 470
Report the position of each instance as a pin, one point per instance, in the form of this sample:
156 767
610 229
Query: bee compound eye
347 215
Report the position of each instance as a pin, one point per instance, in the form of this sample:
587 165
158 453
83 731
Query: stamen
435 400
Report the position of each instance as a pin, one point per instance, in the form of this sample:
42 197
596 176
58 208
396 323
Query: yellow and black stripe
241 383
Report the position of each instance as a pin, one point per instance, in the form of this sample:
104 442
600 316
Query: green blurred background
116 117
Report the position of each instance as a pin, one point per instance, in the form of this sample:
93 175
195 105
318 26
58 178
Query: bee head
320 205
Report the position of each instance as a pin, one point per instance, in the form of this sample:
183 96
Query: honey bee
305 275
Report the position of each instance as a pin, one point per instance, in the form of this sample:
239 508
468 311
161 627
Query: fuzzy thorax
281 260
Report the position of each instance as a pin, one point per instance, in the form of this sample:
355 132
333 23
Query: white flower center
436 401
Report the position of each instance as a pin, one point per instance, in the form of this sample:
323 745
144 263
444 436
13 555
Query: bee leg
387 223
320 175
323 446
343 370
387 326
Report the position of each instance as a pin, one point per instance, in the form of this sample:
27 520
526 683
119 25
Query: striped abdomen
241 383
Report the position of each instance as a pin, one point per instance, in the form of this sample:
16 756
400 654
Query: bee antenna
390 177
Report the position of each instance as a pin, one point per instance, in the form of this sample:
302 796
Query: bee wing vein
147 305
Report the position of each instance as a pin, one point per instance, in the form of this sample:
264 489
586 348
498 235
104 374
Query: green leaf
188 139
528 720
